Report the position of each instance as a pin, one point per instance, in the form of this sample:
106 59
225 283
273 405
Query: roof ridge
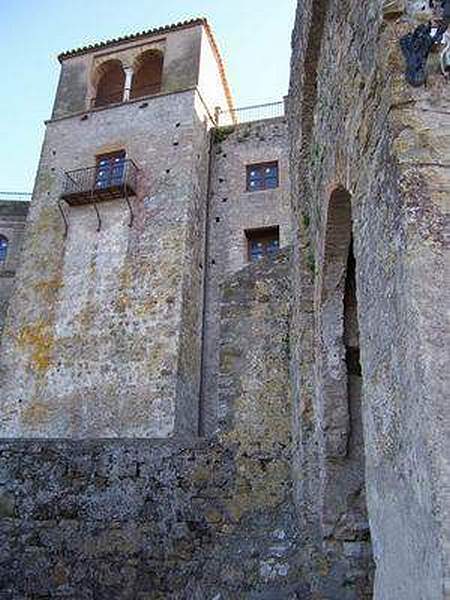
134 36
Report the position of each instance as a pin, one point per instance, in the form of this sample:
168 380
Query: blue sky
254 37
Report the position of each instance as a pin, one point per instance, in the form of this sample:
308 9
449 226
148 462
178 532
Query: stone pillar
128 83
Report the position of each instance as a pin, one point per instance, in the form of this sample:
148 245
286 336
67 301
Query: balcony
109 180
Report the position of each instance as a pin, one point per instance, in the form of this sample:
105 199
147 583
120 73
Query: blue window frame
263 176
3 249
262 243
110 170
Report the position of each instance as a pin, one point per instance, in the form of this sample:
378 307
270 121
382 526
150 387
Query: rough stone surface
232 210
193 519
12 226
358 129
96 350
318 378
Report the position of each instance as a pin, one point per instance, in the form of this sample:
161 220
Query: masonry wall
94 342
188 519
357 126
12 226
232 211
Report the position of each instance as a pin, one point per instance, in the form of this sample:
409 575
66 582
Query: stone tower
104 336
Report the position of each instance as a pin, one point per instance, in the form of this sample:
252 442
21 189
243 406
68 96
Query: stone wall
358 129
192 519
94 342
12 227
232 211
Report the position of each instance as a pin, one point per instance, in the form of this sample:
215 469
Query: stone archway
344 521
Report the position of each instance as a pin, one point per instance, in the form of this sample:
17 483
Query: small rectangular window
263 176
262 242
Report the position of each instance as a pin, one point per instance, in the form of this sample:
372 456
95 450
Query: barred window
262 242
110 170
263 176
3 249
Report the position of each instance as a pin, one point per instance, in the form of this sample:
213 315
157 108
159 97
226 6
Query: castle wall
357 126
191 519
12 227
233 211
94 342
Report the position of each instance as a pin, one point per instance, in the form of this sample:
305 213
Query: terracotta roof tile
132 37
158 31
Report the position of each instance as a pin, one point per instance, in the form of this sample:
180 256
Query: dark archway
110 84
339 395
334 408
148 74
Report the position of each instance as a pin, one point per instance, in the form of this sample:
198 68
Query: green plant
221 133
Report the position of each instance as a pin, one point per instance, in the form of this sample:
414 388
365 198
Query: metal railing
98 181
15 196
257 112
95 184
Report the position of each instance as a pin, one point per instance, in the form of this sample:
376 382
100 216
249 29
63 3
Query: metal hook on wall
417 45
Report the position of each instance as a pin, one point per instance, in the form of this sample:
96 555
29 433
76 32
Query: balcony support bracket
99 219
130 208
66 223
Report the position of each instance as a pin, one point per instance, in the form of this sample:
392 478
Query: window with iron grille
3 249
110 170
262 243
263 176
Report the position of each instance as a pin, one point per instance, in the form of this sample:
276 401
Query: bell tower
103 335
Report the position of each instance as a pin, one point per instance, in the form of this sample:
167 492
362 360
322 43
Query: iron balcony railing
257 112
94 184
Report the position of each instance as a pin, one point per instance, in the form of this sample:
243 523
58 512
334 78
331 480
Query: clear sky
254 37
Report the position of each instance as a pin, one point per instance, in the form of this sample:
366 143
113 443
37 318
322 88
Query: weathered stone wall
358 128
189 520
232 211
94 341
12 226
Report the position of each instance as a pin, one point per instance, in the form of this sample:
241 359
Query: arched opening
333 381
340 384
110 83
147 74
3 249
